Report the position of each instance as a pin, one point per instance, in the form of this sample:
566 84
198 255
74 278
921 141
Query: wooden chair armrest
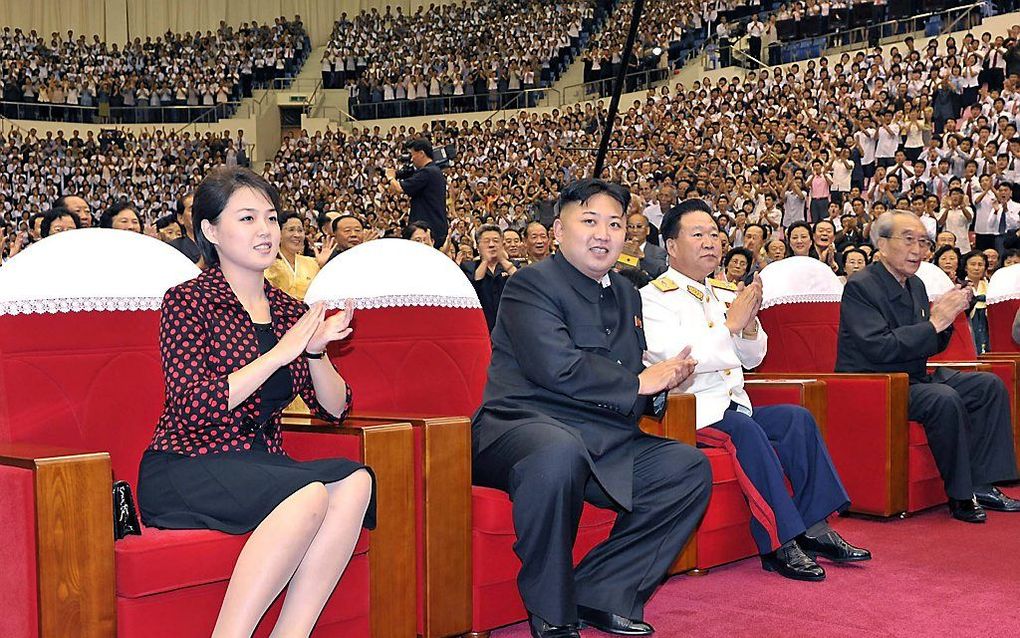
962 366
388 448
813 394
445 518
677 424
74 538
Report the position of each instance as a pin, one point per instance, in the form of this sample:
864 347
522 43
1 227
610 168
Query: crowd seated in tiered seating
70 77
455 58
796 161
150 169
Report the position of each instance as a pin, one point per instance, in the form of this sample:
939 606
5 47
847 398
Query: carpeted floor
931 576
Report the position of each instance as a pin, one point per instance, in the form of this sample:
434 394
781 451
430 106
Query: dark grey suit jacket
656 260
886 327
555 361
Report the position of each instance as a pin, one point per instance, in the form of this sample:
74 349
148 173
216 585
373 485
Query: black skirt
232 491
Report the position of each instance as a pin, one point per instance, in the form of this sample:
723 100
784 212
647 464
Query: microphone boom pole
621 75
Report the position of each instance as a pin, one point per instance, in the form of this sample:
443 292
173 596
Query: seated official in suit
684 308
652 258
558 426
235 351
886 325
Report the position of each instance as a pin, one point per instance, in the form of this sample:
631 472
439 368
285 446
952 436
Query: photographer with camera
426 186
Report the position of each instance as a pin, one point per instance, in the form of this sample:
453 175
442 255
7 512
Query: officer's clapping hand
952 303
667 374
744 308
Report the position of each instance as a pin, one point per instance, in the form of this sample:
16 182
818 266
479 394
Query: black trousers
966 417
546 472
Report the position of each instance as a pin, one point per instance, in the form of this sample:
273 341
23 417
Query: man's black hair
670 226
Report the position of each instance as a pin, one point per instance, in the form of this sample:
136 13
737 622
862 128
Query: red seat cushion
725 533
166 560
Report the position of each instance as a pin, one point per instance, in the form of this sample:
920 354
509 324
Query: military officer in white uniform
770 444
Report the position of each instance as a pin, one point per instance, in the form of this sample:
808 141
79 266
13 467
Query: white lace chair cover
1004 285
388 273
799 280
936 282
92 269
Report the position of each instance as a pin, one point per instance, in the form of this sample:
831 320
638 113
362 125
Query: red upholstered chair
420 350
1003 298
884 462
80 392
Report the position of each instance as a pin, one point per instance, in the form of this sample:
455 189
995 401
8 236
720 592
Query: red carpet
930 576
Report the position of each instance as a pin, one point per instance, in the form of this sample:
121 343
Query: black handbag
125 519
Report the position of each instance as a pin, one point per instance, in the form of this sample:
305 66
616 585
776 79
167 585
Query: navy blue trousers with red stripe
779 443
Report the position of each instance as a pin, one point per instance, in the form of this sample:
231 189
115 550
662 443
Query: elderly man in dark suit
886 326
653 259
558 427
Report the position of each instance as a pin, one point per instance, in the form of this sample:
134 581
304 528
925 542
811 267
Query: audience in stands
825 142
455 58
70 77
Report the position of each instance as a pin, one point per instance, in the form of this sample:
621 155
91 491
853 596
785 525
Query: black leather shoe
967 511
542 629
611 623
831 545
996 501
792 562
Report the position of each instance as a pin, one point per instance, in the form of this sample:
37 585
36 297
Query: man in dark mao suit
886 325
558 427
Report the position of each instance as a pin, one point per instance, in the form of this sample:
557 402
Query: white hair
883 226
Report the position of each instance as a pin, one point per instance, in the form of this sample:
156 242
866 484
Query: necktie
1002 220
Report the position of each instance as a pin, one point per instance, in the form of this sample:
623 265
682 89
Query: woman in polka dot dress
235 352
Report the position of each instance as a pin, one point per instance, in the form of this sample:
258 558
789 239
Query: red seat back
961 344
1003 297
79 347
420 344
800 314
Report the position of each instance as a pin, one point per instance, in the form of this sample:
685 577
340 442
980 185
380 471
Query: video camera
442 156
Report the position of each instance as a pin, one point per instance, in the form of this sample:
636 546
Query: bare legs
307 540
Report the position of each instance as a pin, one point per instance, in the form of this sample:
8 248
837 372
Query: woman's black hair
848 252
53 215
106 219
212 196
811 238
733 252
288 215
960 262
409 230
967 257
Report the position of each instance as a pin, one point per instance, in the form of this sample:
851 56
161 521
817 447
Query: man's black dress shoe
542 629
791 561
996 501
611 623
831 545
967 511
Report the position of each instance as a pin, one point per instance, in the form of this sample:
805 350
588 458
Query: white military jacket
679 311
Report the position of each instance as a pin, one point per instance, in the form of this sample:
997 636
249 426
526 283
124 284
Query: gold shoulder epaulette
665 284
719 283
